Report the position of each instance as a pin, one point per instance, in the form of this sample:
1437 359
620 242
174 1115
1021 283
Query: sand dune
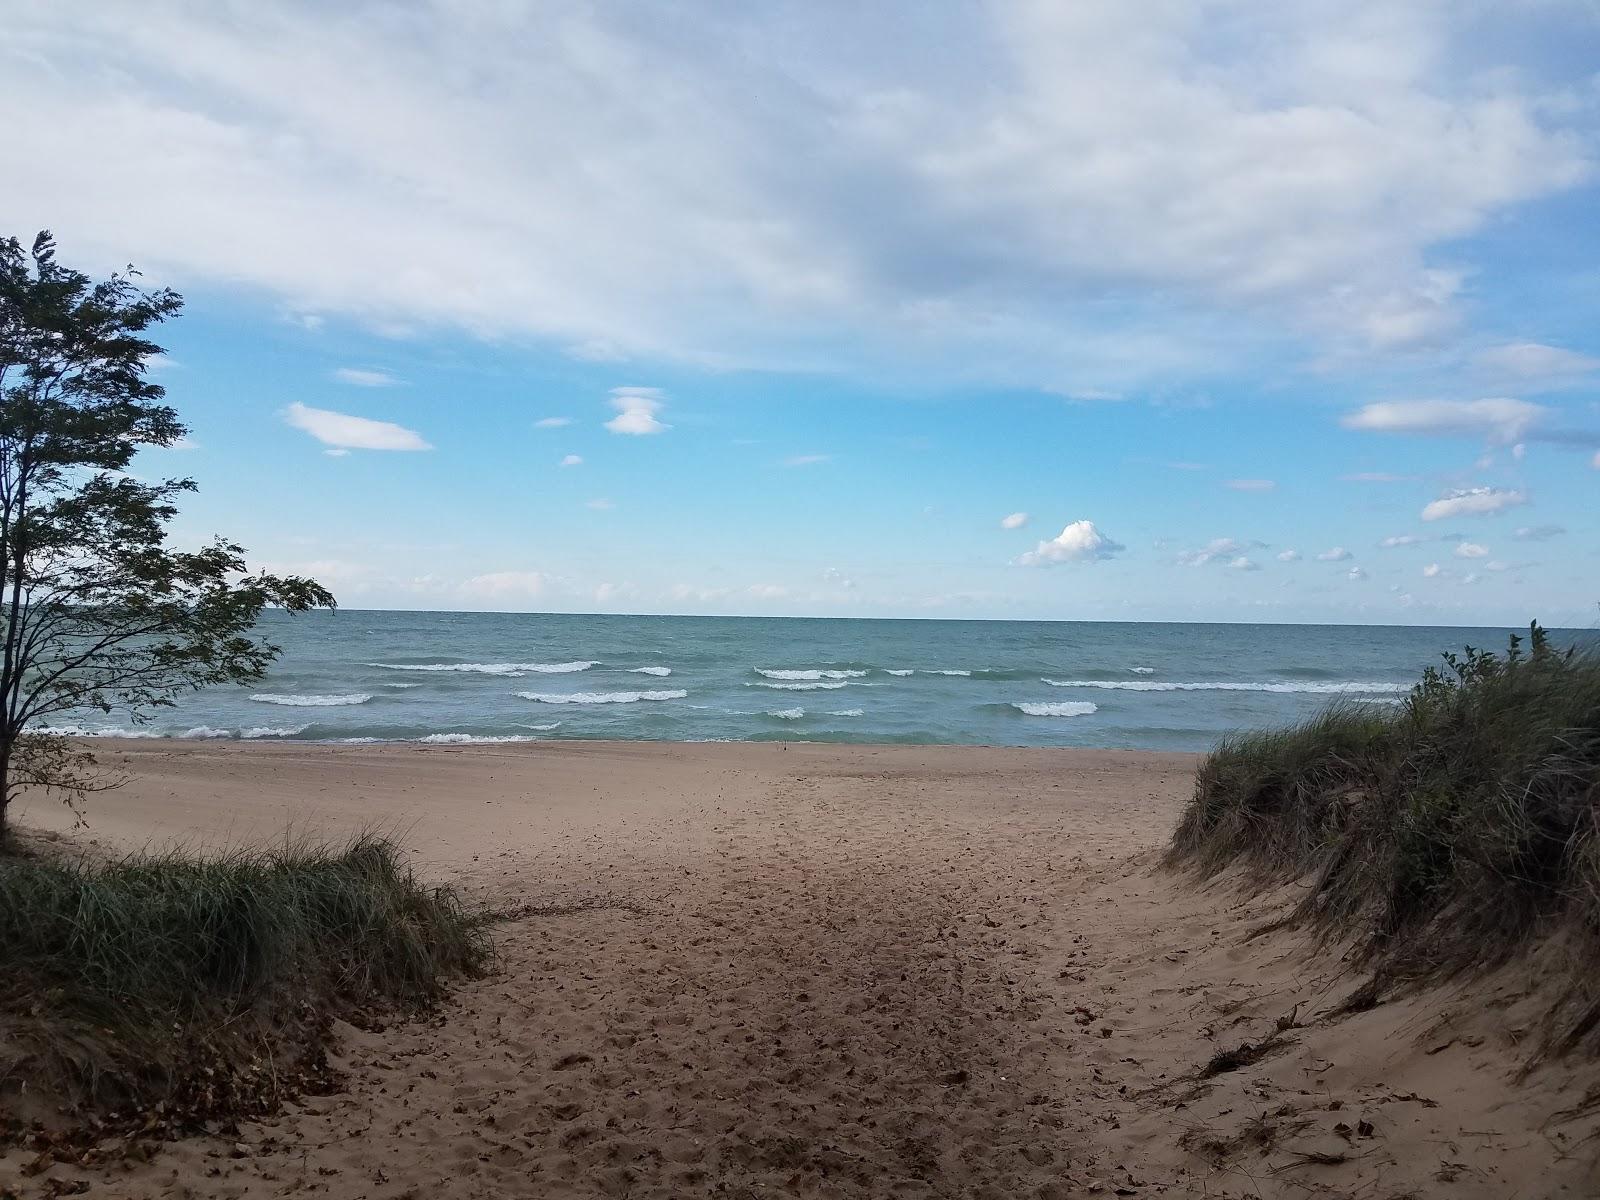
845 971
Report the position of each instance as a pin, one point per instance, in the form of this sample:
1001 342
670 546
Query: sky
1201 310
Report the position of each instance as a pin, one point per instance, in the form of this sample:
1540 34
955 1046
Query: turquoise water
466 677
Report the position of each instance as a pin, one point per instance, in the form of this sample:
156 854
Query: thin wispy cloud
1473 502
364 377
807 460
345 432
552 422
1251 485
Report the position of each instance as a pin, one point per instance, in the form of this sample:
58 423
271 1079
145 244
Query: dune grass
1440 835
202 984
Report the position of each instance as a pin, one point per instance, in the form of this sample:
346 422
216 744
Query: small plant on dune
123 981
1440 835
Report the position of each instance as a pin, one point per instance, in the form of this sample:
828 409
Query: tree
97 610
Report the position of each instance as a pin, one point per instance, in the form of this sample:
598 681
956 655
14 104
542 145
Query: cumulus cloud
870 196
1015 520
1078 542
1432 571
1244 563
572 460
1288 556
346 432
360 377
1501 420
1355 573
1251 485
1471 550
1336 554
636 410
552 422
1472 502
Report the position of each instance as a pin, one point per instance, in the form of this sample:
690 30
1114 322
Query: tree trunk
5 795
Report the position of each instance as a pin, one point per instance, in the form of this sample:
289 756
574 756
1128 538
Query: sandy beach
754 970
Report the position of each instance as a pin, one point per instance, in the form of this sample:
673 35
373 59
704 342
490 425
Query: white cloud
1471 550
505 585
572 460
1301 163
1537 533
1336 554
1501 420
1355 573
552 422
360 377
600 505
1595 461
1015 520
636 410
1400 539
337 452
1251 485
1078 542
1244 563
807 460
346 432
1496 565
1472 502
1214 550
1288 556
767 591
1431 571
1536 364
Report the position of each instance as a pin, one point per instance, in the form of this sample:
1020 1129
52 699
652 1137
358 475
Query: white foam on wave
947 672
272 731
112 731
512 669
819 673
1070 708
474 739
1352 688
815 685
601 697
297 701
906 671
659 672
848 712
402 685
1143 670
787 714
206 732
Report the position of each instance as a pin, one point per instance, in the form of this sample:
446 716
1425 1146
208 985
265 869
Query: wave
787 714
1071 708
1143 670
1347 688
402 685
205 732
504 669
601 697
810 674
272 731
659 672
311 701
817 685
104 731
905 671
961 673
474 739
848 712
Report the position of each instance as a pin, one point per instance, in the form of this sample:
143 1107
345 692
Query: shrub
1439 836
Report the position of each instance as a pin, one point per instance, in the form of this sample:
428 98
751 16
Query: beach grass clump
128 983
1439 835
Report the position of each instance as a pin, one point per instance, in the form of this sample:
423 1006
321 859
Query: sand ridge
846 971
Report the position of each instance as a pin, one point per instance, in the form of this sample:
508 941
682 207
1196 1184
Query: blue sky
1172 311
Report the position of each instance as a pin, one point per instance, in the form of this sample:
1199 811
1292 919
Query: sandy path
846 971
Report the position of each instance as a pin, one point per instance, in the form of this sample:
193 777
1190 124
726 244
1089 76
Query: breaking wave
1071 708
787 714
659 672
815 674
601 697
295 701
1350 688
816 685
504 669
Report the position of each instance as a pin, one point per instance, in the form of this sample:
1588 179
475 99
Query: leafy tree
98 611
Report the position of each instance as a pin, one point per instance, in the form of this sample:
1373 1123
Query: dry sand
844 971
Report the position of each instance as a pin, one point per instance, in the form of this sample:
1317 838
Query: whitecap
906 671
82 731
1352 688
848 712
511 669
819 673
473 739
947 672
818 685
1071 708
601 697
296 701
787 714
272 731
659 672
206 732
1143 670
